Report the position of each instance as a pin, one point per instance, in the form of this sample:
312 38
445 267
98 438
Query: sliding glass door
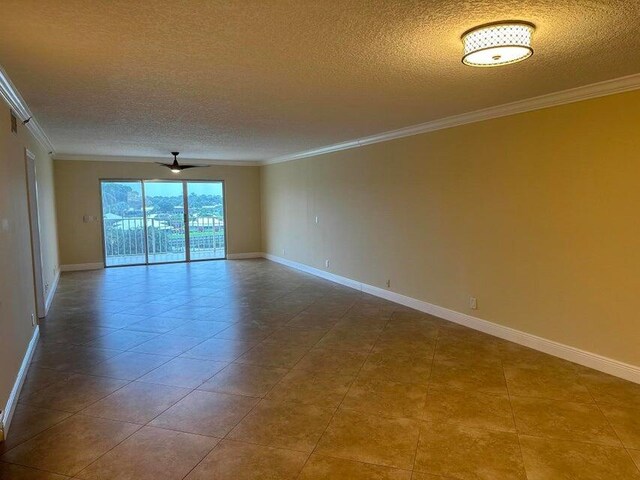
123 223
153 221
206 220
165 213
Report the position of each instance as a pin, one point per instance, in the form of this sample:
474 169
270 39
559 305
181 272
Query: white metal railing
124 238
206 235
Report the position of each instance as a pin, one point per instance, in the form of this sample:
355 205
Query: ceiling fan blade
168 165
192 166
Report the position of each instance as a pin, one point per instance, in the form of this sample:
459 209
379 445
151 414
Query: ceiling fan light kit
175 167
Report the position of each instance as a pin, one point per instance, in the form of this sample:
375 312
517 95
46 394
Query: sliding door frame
144 223
104 239
224 213
185 218
185 199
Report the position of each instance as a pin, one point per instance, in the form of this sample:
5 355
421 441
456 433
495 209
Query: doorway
162 221
34 224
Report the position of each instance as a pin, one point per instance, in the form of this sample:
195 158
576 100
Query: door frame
103 237
185 194
185 216
34 230
224 211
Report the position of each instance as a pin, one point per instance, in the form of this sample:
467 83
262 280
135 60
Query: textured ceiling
256 79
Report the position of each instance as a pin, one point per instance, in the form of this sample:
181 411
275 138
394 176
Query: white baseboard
52 291
76 267
315 271
10 407
573 354
242 256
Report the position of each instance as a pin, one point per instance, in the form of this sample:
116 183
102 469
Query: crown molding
586 92
166 159
12 96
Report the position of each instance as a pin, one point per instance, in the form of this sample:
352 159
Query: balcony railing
125 242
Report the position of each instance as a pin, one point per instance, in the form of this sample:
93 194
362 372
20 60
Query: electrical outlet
316 219
388 283
46 287
326 263
473 303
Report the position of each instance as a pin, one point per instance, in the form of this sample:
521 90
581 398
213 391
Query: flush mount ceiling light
497 44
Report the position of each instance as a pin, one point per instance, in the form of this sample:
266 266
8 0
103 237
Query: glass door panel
206 220
165 214
122 222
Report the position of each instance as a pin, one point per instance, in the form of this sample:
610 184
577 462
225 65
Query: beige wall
78 194
48 220
536 215
17 298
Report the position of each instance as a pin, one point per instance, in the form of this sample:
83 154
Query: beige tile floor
249 370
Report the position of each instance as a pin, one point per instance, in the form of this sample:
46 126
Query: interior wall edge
52 291
12 402
557 349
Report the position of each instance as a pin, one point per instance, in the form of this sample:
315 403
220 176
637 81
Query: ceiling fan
175 167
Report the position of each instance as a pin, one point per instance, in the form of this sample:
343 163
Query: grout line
266 302
343 397
513 417
37 469
626 449
355 377
260 401
428 387
139 426
42 431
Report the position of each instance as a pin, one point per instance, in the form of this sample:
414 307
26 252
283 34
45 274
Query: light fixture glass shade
497 44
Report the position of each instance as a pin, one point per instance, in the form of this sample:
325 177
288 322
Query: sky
202 188
172 189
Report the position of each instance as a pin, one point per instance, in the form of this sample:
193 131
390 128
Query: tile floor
247 369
